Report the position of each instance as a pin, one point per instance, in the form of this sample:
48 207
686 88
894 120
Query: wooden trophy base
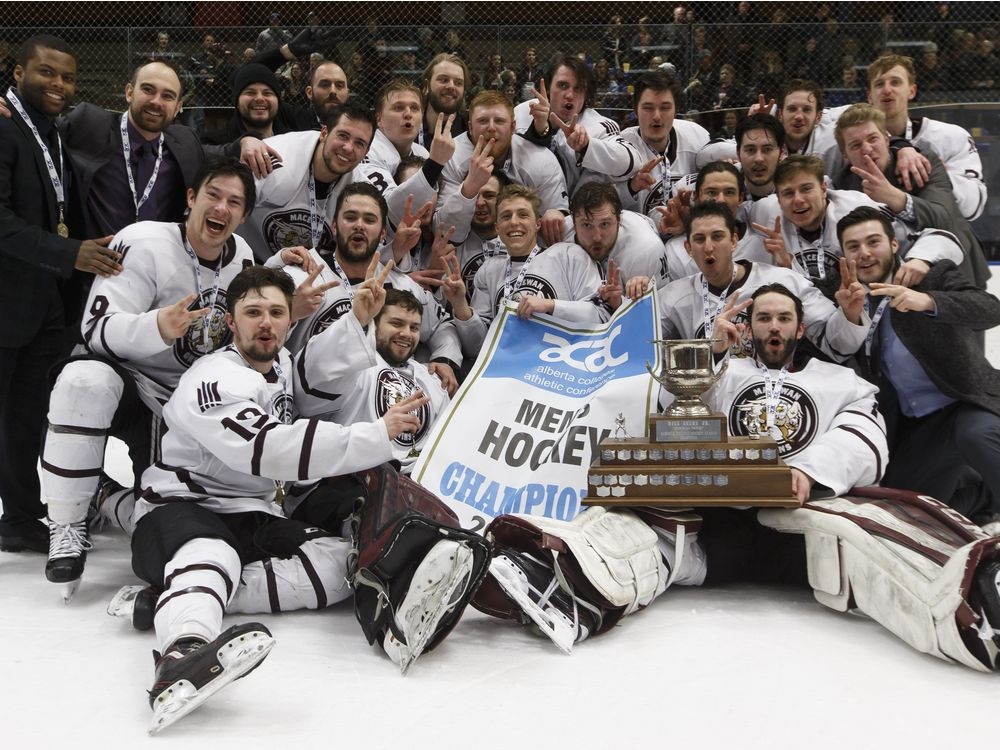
708 468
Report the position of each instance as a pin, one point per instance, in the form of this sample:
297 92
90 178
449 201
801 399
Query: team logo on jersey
655 198
330 314
795 417
742 349
291 228
195 342
469 272
281 407
809 259
531 286
391 387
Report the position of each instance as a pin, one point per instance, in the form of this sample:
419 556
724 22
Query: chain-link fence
725 53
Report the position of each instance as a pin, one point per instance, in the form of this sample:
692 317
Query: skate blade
419 619
181 698
123 602
551 622
69 590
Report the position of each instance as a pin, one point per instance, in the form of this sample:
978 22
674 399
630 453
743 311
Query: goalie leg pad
399 526
606 559
907 561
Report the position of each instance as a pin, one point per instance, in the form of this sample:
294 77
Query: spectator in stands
809 63
453 44
639 52
741 39
604 82
930 73
703 86
849 91
730 93
273 35
489 78
770 77
613 43
377 71
426 47
355 72
294 84
531 71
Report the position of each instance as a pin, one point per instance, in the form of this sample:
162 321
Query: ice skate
986 586
136 604
192 671
534 588
438 586
68 545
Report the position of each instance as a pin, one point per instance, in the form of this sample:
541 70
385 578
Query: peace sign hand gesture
774 243
644 179
174 320
307 299
540 109
726 333
851 295
369 295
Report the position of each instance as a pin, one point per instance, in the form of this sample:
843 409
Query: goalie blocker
909 562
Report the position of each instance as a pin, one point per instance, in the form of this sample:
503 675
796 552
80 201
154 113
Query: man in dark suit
141 173
37 263
939 395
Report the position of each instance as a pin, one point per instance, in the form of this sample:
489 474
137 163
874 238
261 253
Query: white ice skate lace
560 581
68 539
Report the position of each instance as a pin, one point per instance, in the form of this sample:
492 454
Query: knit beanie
254 73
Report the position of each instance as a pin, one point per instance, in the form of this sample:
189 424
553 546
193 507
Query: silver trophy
688 371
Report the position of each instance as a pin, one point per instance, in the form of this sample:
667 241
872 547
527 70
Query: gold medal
279 493
62 230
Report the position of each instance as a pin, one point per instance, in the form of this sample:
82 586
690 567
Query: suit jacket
947 345
935 207
36 264
92 136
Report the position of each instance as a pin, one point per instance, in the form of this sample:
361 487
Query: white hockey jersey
365 394
637 250
437 331
608 155
282 216
682 310
827 422
686 140
527 164
120 318
230 435
677 263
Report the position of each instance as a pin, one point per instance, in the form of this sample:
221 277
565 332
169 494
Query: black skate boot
191 671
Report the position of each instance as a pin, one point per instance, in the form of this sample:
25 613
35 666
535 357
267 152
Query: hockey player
211 536
557 574
142 329
491 118
365 394
587 144
398 116
668 146
600 225
720 182
690 305
294 201
563 287
359 228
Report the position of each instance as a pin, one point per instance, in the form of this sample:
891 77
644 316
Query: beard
353 255
440 106
386 352
771 358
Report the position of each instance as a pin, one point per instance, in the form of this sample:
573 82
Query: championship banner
521 432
